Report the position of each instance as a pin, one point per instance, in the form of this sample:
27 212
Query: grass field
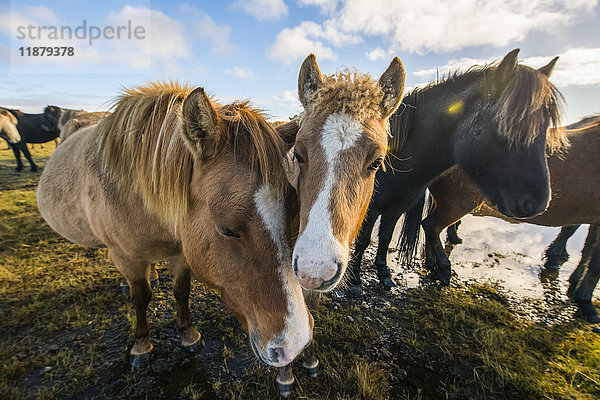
65 332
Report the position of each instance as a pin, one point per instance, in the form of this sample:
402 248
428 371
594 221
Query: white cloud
377 54
440 25
43 14
575 67
437 25
451 66
295 43
217 34
162 44
283 106
165 37
240 72
263 10
326 6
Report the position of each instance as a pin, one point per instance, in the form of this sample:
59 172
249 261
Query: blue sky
253 48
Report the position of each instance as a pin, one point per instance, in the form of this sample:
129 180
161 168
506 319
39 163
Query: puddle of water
510 254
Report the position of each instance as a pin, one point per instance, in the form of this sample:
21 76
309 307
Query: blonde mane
525 104
348 92
142 145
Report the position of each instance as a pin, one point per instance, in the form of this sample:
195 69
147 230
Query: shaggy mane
348 92
143 145
527 101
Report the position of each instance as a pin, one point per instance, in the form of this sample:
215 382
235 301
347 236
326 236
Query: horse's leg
285 375
586 255
311 363
556 254
28 157
582 289
190 337
17 152
136 272
360 245
285 380
386 231
432 237
445 214
153 280
455 196
452 233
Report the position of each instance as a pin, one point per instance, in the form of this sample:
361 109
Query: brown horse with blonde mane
172 174
575 200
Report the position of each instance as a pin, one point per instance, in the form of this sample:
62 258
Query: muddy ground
65 328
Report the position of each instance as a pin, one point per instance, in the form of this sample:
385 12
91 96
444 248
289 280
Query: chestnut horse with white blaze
172 174
340 141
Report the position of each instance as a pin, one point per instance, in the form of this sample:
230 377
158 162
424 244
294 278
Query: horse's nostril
274 354
295 266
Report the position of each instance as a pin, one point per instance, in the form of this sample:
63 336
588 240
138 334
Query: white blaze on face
318 254
297 332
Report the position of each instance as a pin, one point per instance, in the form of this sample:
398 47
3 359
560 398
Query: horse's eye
225 231
375 165
298 158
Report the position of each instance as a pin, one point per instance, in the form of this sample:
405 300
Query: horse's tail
408 243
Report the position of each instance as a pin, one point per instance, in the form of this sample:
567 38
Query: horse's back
81 202
575 181
64 189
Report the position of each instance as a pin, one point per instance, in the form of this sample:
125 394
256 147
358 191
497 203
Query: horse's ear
288 132
200 123
392 84
548 68
507 67
309 79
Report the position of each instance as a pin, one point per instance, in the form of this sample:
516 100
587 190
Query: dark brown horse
33 128
575 182
490 120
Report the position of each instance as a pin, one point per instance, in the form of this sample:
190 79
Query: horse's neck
428 146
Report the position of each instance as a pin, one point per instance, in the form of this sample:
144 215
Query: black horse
33 128
490 120
556 253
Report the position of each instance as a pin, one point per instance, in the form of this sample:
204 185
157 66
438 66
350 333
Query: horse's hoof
588 312
140 360
194 348
125 289
387 283
285 388
312 370
444 277
355 290
34 169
